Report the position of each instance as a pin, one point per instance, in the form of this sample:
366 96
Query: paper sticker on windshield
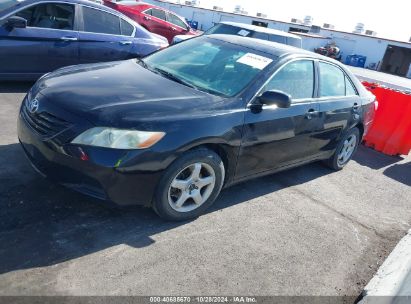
243 33
255 61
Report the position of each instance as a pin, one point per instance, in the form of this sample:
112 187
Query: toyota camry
171 130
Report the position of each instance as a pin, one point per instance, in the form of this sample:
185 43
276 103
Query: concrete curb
393 278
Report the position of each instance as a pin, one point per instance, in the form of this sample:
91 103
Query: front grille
44 123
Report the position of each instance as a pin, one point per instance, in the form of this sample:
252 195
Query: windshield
5 4
210 65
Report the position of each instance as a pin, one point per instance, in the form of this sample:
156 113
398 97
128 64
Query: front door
49 41
275 137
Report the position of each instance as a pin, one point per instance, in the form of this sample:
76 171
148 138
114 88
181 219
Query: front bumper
90 170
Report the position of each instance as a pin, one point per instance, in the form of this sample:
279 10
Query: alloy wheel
347 150
191 187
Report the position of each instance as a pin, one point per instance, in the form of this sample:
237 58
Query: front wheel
345 150
190 185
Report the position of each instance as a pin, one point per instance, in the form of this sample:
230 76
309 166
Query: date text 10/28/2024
204 299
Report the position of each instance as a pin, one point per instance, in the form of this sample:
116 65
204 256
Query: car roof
269 47
261 29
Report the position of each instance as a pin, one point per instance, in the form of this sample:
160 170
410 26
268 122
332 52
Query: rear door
339 105
177 26
155 20
275 137
104 36
49 41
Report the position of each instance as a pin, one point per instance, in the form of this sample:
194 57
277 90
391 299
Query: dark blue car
37 37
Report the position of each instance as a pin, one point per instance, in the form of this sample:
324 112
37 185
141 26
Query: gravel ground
307 231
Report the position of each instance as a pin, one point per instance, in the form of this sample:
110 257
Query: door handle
310 113
69 38
147 18
125 42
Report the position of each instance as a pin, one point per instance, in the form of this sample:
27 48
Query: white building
382 54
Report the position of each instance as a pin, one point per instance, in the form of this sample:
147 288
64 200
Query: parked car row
37 37
58 33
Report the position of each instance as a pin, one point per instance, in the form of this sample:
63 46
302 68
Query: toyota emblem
33 105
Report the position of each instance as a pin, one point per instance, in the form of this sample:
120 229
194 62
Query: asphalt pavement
307 231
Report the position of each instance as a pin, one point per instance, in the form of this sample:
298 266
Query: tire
186 190
350 143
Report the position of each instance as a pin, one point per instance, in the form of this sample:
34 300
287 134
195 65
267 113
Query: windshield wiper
173 77
142 63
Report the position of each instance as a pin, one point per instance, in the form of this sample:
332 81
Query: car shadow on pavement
42 224
373 159
15 87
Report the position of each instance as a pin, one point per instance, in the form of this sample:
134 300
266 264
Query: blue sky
389 19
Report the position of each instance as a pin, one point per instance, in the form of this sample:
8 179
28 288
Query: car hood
120 93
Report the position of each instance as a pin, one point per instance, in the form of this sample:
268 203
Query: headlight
117 138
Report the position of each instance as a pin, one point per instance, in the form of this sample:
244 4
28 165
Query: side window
294 42
97 21
176 21
295 79
49 15
332 81
149 12
279 39
349 88
259 35
158 14
126 28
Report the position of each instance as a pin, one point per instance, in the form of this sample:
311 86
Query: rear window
176 21
259 35
332 80
97 21
279 39
126 28
294 42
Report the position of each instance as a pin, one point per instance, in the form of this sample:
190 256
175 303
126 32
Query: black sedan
172 130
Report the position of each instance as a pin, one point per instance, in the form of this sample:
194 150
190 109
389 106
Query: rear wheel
345 150
190 185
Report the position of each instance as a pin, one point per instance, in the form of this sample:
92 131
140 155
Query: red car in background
155 19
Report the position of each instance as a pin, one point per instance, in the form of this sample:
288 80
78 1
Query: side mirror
278 98
16 22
